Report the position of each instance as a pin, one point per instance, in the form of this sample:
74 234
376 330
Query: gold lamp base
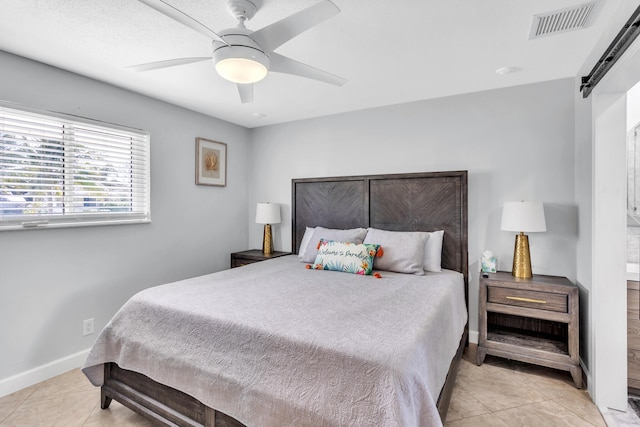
521 258
267 242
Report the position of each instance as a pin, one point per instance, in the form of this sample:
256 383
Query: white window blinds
58 170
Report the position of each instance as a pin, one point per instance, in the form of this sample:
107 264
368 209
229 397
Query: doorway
609 229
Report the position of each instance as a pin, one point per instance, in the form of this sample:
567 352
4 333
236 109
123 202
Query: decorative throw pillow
433 251
403 250
353 235
356 258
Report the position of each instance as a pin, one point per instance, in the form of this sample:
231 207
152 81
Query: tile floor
507 393
498 393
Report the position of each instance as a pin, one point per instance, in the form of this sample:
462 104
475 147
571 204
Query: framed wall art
211 162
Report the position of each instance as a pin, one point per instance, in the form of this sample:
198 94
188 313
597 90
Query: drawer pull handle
539 301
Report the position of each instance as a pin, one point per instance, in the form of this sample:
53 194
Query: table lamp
522 217
267 214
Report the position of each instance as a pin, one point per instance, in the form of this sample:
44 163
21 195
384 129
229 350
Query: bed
293 345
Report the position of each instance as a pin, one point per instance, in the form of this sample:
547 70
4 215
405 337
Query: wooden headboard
398 202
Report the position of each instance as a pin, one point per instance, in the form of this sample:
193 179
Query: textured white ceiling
389 51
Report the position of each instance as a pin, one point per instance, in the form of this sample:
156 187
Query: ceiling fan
243 56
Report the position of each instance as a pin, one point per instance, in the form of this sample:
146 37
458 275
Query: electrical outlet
87 327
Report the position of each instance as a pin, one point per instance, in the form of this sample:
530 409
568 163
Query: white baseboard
587 375
473 337
42 373
608 418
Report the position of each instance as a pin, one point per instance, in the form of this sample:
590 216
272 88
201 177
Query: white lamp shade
268 213
526 217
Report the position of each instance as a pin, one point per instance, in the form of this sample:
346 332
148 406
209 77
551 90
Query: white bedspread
273 344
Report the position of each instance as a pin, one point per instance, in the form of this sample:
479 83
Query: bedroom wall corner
53 279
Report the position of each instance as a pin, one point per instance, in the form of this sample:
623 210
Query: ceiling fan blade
246 93
274 35
177 15
282 64
168 63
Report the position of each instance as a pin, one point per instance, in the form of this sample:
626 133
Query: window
59 171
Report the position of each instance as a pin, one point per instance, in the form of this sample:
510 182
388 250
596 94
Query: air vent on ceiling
562 20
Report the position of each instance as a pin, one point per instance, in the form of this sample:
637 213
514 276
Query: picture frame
211 162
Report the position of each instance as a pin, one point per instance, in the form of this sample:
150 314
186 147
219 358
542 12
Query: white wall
609 228
516 143
584 200
50 280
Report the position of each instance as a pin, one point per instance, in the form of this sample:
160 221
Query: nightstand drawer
526 298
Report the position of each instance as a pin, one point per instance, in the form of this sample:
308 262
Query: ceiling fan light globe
241 64
241 70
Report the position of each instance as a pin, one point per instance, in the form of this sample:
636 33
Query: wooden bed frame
398 202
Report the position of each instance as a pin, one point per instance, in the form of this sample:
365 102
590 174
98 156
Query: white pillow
352 235
306 238
402 251
433 251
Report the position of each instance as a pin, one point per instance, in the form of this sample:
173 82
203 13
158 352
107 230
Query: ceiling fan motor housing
241 49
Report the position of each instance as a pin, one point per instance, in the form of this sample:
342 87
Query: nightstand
238 259
531 320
